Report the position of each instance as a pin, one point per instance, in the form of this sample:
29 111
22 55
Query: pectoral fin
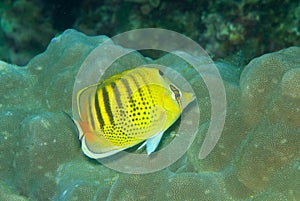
153 142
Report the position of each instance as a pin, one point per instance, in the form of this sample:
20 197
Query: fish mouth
187 98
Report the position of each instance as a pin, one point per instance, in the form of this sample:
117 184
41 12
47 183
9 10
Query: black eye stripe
175 90
177 94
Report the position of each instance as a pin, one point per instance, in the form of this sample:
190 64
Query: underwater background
255 46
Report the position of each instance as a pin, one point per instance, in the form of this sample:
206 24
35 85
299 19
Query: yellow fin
100 152
83 97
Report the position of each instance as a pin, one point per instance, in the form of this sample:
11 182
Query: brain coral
270 88
270 104
257 157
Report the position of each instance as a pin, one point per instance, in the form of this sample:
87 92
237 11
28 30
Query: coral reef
257 157
6 193
223 27
26 30
270 106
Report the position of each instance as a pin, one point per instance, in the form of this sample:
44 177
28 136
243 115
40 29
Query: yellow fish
126 109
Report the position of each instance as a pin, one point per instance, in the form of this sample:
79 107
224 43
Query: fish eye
160 72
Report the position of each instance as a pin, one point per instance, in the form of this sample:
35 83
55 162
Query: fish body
126 109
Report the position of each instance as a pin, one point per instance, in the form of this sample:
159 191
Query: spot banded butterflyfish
129 108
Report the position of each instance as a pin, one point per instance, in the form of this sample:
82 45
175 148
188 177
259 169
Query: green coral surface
257 157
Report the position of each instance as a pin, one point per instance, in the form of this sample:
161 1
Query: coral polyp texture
256 158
